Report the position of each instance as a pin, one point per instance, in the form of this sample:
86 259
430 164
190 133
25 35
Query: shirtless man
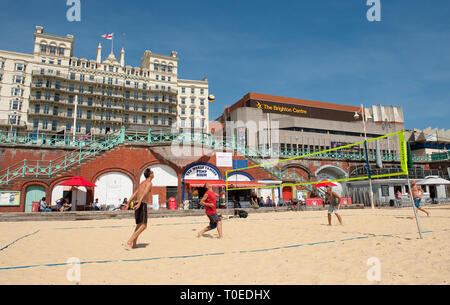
334 201
142 197
416 196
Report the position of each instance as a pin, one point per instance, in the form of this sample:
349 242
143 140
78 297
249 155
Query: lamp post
356 116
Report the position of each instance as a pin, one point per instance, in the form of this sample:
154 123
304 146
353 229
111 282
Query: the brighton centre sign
302 111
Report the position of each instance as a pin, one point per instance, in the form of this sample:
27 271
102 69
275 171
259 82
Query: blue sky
324 50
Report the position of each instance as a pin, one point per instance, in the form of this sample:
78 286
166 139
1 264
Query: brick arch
154 162
116 169
24 191
300 167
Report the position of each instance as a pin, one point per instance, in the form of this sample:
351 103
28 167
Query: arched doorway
287 193
34 194
165 182
112 188
331 172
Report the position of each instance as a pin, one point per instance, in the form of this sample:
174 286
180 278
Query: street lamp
356 117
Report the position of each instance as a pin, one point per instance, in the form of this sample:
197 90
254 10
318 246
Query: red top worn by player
209 201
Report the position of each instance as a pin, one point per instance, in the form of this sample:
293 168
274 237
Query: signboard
346 200
302 111
224 159
10 198
353 149
314 202
201 172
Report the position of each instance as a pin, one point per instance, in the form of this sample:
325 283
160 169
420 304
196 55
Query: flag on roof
108 36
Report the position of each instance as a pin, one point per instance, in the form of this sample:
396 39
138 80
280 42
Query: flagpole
367 156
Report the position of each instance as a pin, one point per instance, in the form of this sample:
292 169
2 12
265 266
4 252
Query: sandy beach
272 248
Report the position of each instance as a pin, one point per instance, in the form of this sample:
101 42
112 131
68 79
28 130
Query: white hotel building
47 89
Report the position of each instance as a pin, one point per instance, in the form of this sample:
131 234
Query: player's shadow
140 246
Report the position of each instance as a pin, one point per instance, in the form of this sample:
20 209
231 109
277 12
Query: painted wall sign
201 172
10 198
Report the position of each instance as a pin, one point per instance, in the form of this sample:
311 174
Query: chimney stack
122 57
99 53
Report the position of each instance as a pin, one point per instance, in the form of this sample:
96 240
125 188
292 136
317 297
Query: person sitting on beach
97 205
254 201
43 207
261 202
269 202
66 205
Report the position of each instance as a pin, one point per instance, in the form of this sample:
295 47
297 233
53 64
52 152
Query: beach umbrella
433 180
77 181
324 183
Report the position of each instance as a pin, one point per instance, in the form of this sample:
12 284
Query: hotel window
78 127
182 123
72 76
156 97
192 111
144 107
17 92
44 124
125 118
127 106
155 120
46 109
170 121
35 123
144 96
38 95
68 126
51 61
108 116
144 86
183 90
69 112
57 84
82 77
202 102
61 51
136 95
163 108
43 48
183 101
91 77
37 109
136 107
70 99
71 87
144 119
18 79
183 111
55 110
15 105
79 113
155 67
163 77
88 128
202 91
54 125
48 84
169 69
52 50
202 112
59 62
135 119
192 90
163 68
43 60
89 102
91 90
89 115
157 77
169 79
127 94
192 124
163 120
81 89
136 85
20 67
155 109
108 103
111 69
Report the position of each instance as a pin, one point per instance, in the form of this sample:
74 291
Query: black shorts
213 220
141 214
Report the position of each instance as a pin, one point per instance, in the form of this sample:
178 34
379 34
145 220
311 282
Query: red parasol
324 183
77 181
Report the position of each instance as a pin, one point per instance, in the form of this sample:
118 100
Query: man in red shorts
209 201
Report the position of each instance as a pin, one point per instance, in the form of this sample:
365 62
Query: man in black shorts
142 195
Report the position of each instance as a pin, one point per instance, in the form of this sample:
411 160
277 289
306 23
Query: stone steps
99 215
